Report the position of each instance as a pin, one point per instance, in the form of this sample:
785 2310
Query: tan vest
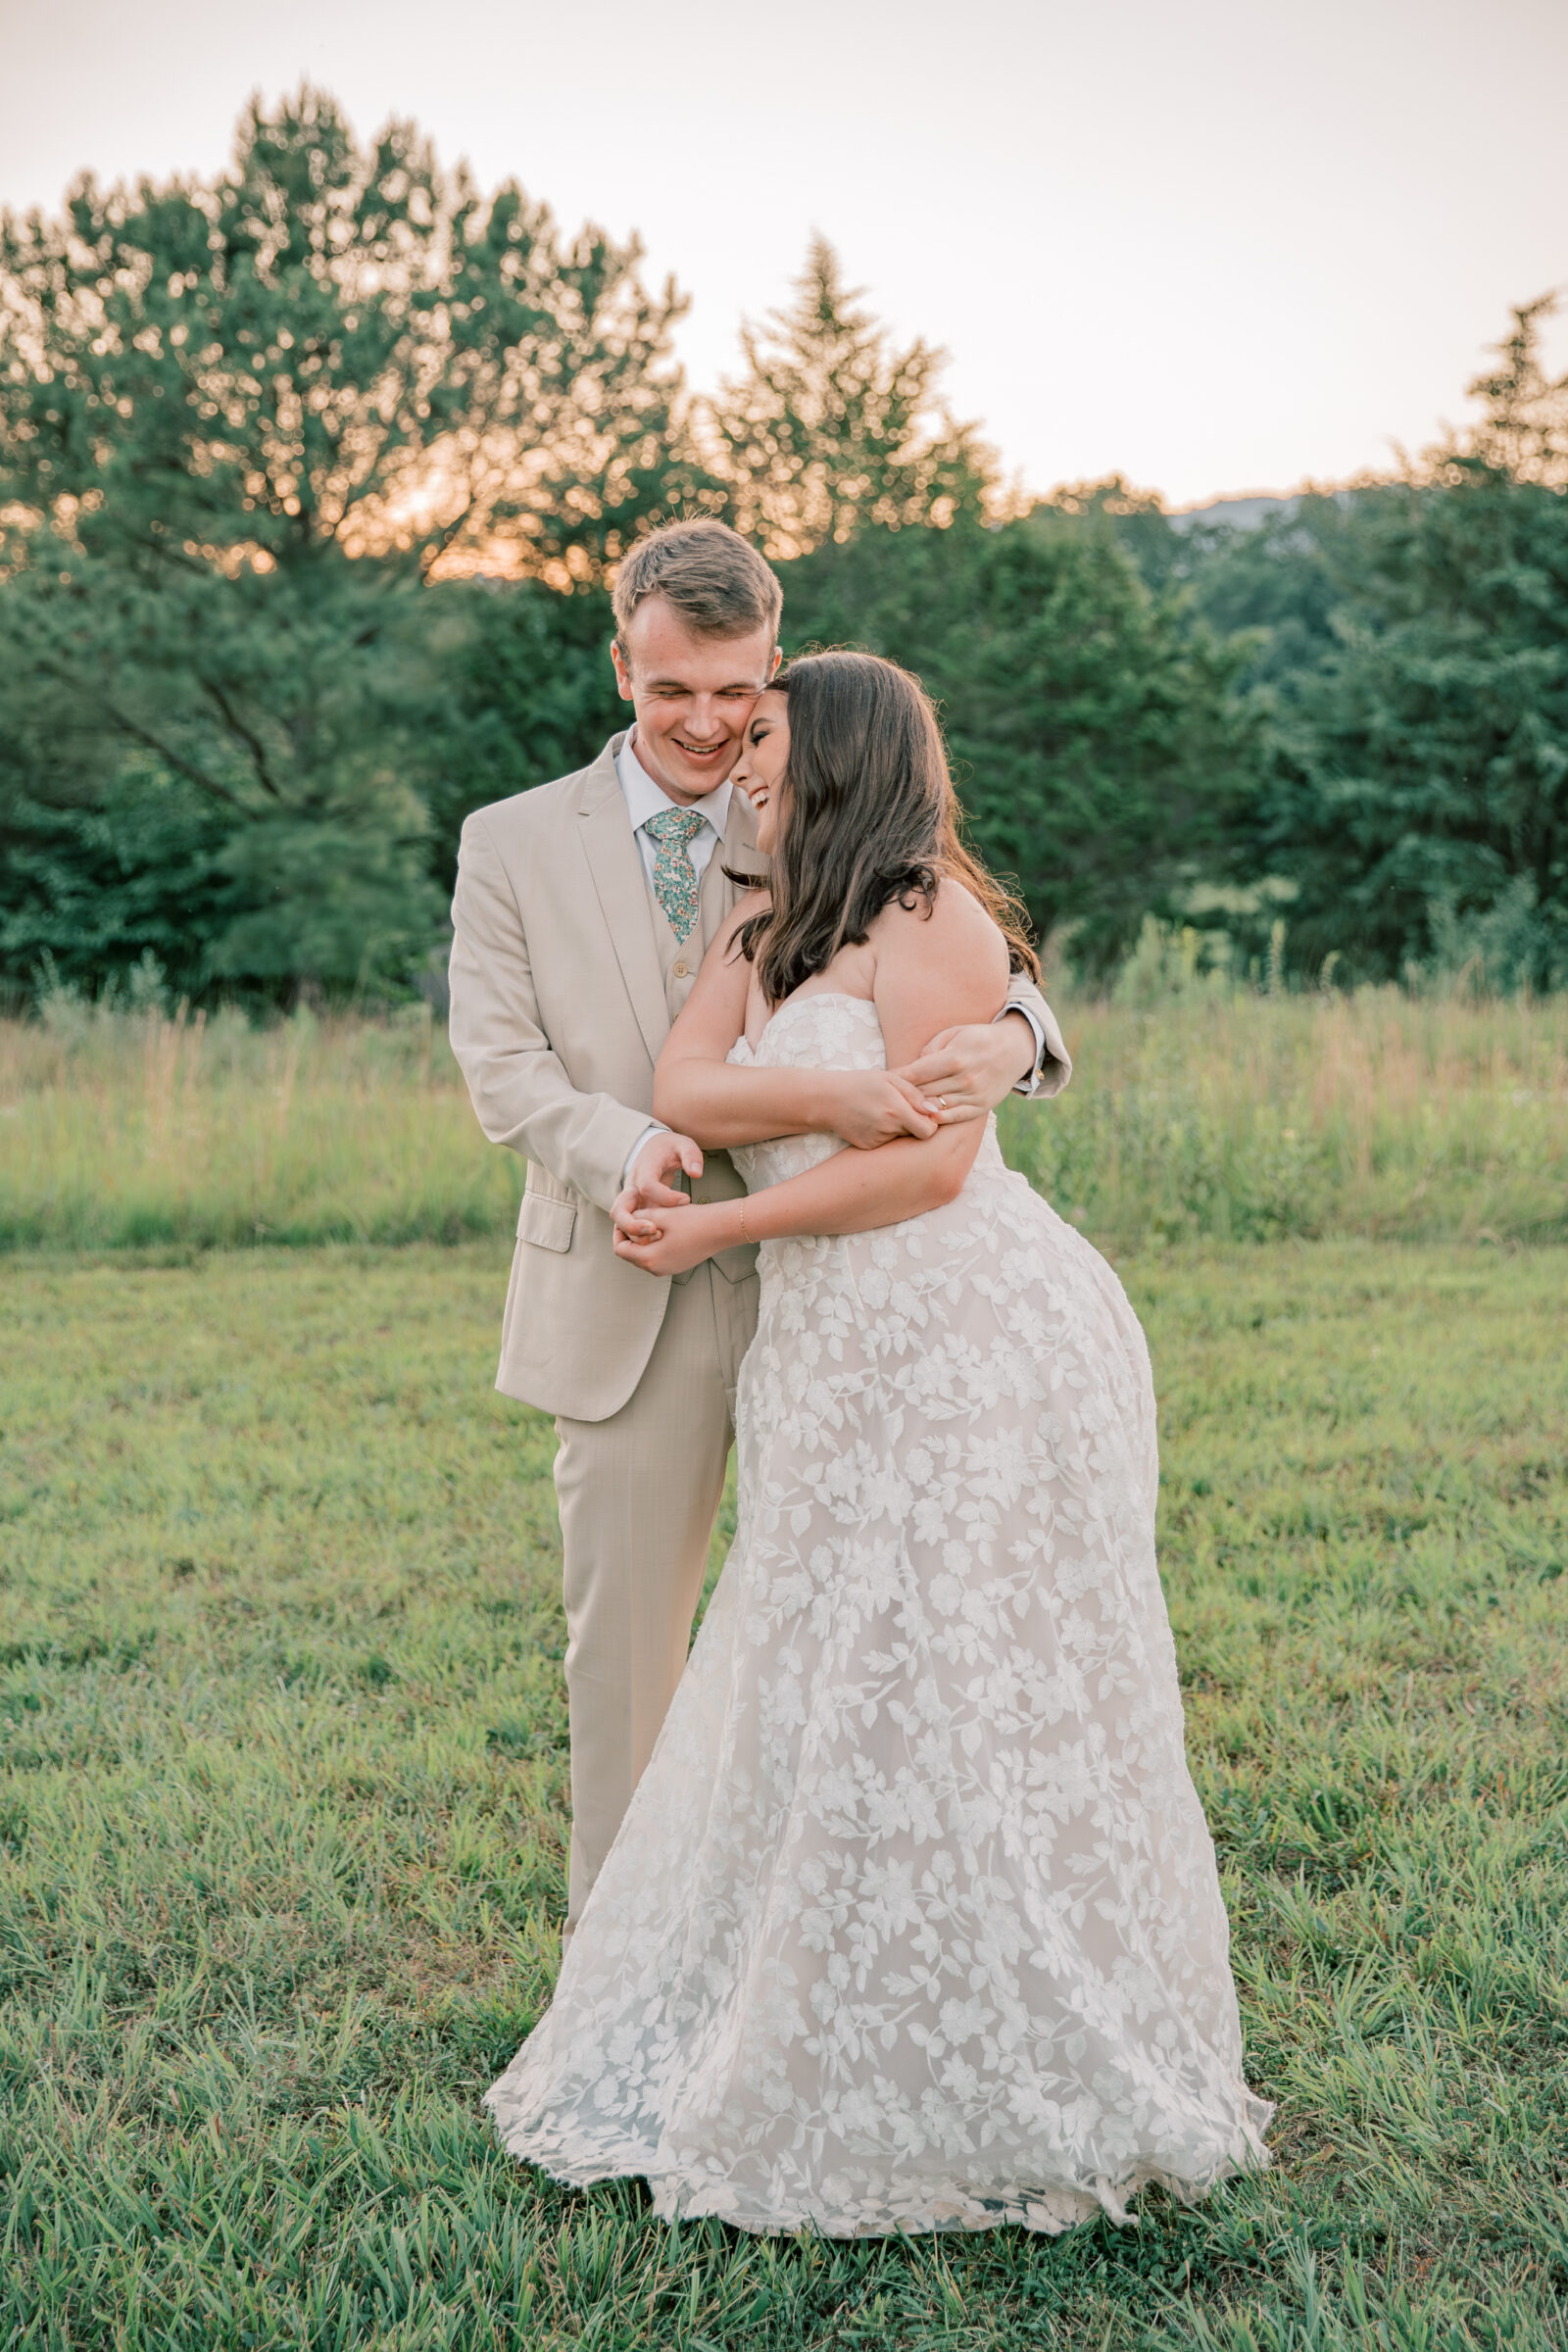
680 960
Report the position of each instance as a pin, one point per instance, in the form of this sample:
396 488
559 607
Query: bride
915 1922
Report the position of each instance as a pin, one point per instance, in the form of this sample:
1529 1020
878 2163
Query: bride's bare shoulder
952 927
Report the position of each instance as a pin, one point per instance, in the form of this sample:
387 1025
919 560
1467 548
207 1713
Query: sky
1220 246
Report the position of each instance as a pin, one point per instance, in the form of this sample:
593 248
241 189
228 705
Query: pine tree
833 429
1523 431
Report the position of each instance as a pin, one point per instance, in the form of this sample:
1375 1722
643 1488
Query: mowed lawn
283 1799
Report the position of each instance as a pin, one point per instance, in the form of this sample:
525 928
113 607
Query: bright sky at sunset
1221 245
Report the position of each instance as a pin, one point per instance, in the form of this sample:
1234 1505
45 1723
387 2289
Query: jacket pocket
546 1223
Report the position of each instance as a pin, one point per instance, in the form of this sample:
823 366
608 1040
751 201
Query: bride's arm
931 971
698 1093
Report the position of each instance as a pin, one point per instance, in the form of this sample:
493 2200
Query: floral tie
674 875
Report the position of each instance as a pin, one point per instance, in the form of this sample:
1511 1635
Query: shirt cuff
654 1127
1025 1085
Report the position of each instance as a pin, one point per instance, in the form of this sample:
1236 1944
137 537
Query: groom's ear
618 655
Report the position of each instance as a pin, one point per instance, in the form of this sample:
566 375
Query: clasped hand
661 1241
648 1206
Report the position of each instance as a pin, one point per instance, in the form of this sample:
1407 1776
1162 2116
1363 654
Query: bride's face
760 769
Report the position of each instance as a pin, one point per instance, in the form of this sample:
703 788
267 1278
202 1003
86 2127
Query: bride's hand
968 1071
868 1108
682 1237
632 1211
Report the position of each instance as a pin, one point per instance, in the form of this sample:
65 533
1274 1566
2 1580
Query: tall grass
1238 1117
126 1128
1211 1113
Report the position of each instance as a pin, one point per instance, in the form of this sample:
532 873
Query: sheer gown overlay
914 1920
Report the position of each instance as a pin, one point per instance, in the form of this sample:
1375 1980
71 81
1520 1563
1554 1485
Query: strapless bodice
825 1030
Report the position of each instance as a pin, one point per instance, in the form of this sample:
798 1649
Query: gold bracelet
740 1211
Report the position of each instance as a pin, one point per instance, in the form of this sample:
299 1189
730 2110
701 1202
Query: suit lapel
622 890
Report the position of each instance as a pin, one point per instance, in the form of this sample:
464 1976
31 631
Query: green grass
1208 1115
282 1789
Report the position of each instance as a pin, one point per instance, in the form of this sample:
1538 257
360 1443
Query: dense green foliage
524 691
1104 761
1407 655
258 433
282 1812
1419 793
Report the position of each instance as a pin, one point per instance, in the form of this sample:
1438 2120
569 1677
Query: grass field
282 1810
1209 1114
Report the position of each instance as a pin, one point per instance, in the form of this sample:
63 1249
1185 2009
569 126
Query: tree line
313 475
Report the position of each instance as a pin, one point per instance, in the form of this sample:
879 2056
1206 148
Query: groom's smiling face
692 695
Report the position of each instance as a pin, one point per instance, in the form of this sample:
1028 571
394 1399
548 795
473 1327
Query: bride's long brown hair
868 815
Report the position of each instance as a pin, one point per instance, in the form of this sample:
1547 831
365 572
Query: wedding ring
942 1102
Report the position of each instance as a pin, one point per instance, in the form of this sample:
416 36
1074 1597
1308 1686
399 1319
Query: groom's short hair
715 579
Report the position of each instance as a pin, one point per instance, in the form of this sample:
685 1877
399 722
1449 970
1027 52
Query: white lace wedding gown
913 1923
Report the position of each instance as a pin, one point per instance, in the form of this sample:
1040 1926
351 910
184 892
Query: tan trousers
638 1496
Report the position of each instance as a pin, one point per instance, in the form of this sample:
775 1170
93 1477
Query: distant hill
1242 513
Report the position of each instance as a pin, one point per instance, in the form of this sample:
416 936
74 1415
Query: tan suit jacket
558 1009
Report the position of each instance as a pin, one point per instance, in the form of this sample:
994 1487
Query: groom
582 911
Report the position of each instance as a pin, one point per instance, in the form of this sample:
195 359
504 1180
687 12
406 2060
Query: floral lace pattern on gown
914 1920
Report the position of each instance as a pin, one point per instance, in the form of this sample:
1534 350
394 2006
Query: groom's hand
661 1158
648 1186
968 1071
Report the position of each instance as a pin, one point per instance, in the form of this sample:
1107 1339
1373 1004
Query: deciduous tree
217 400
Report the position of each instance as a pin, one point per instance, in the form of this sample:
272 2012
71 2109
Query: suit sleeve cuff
654 1127
1026 1085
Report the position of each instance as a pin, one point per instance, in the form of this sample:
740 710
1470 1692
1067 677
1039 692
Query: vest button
681 971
